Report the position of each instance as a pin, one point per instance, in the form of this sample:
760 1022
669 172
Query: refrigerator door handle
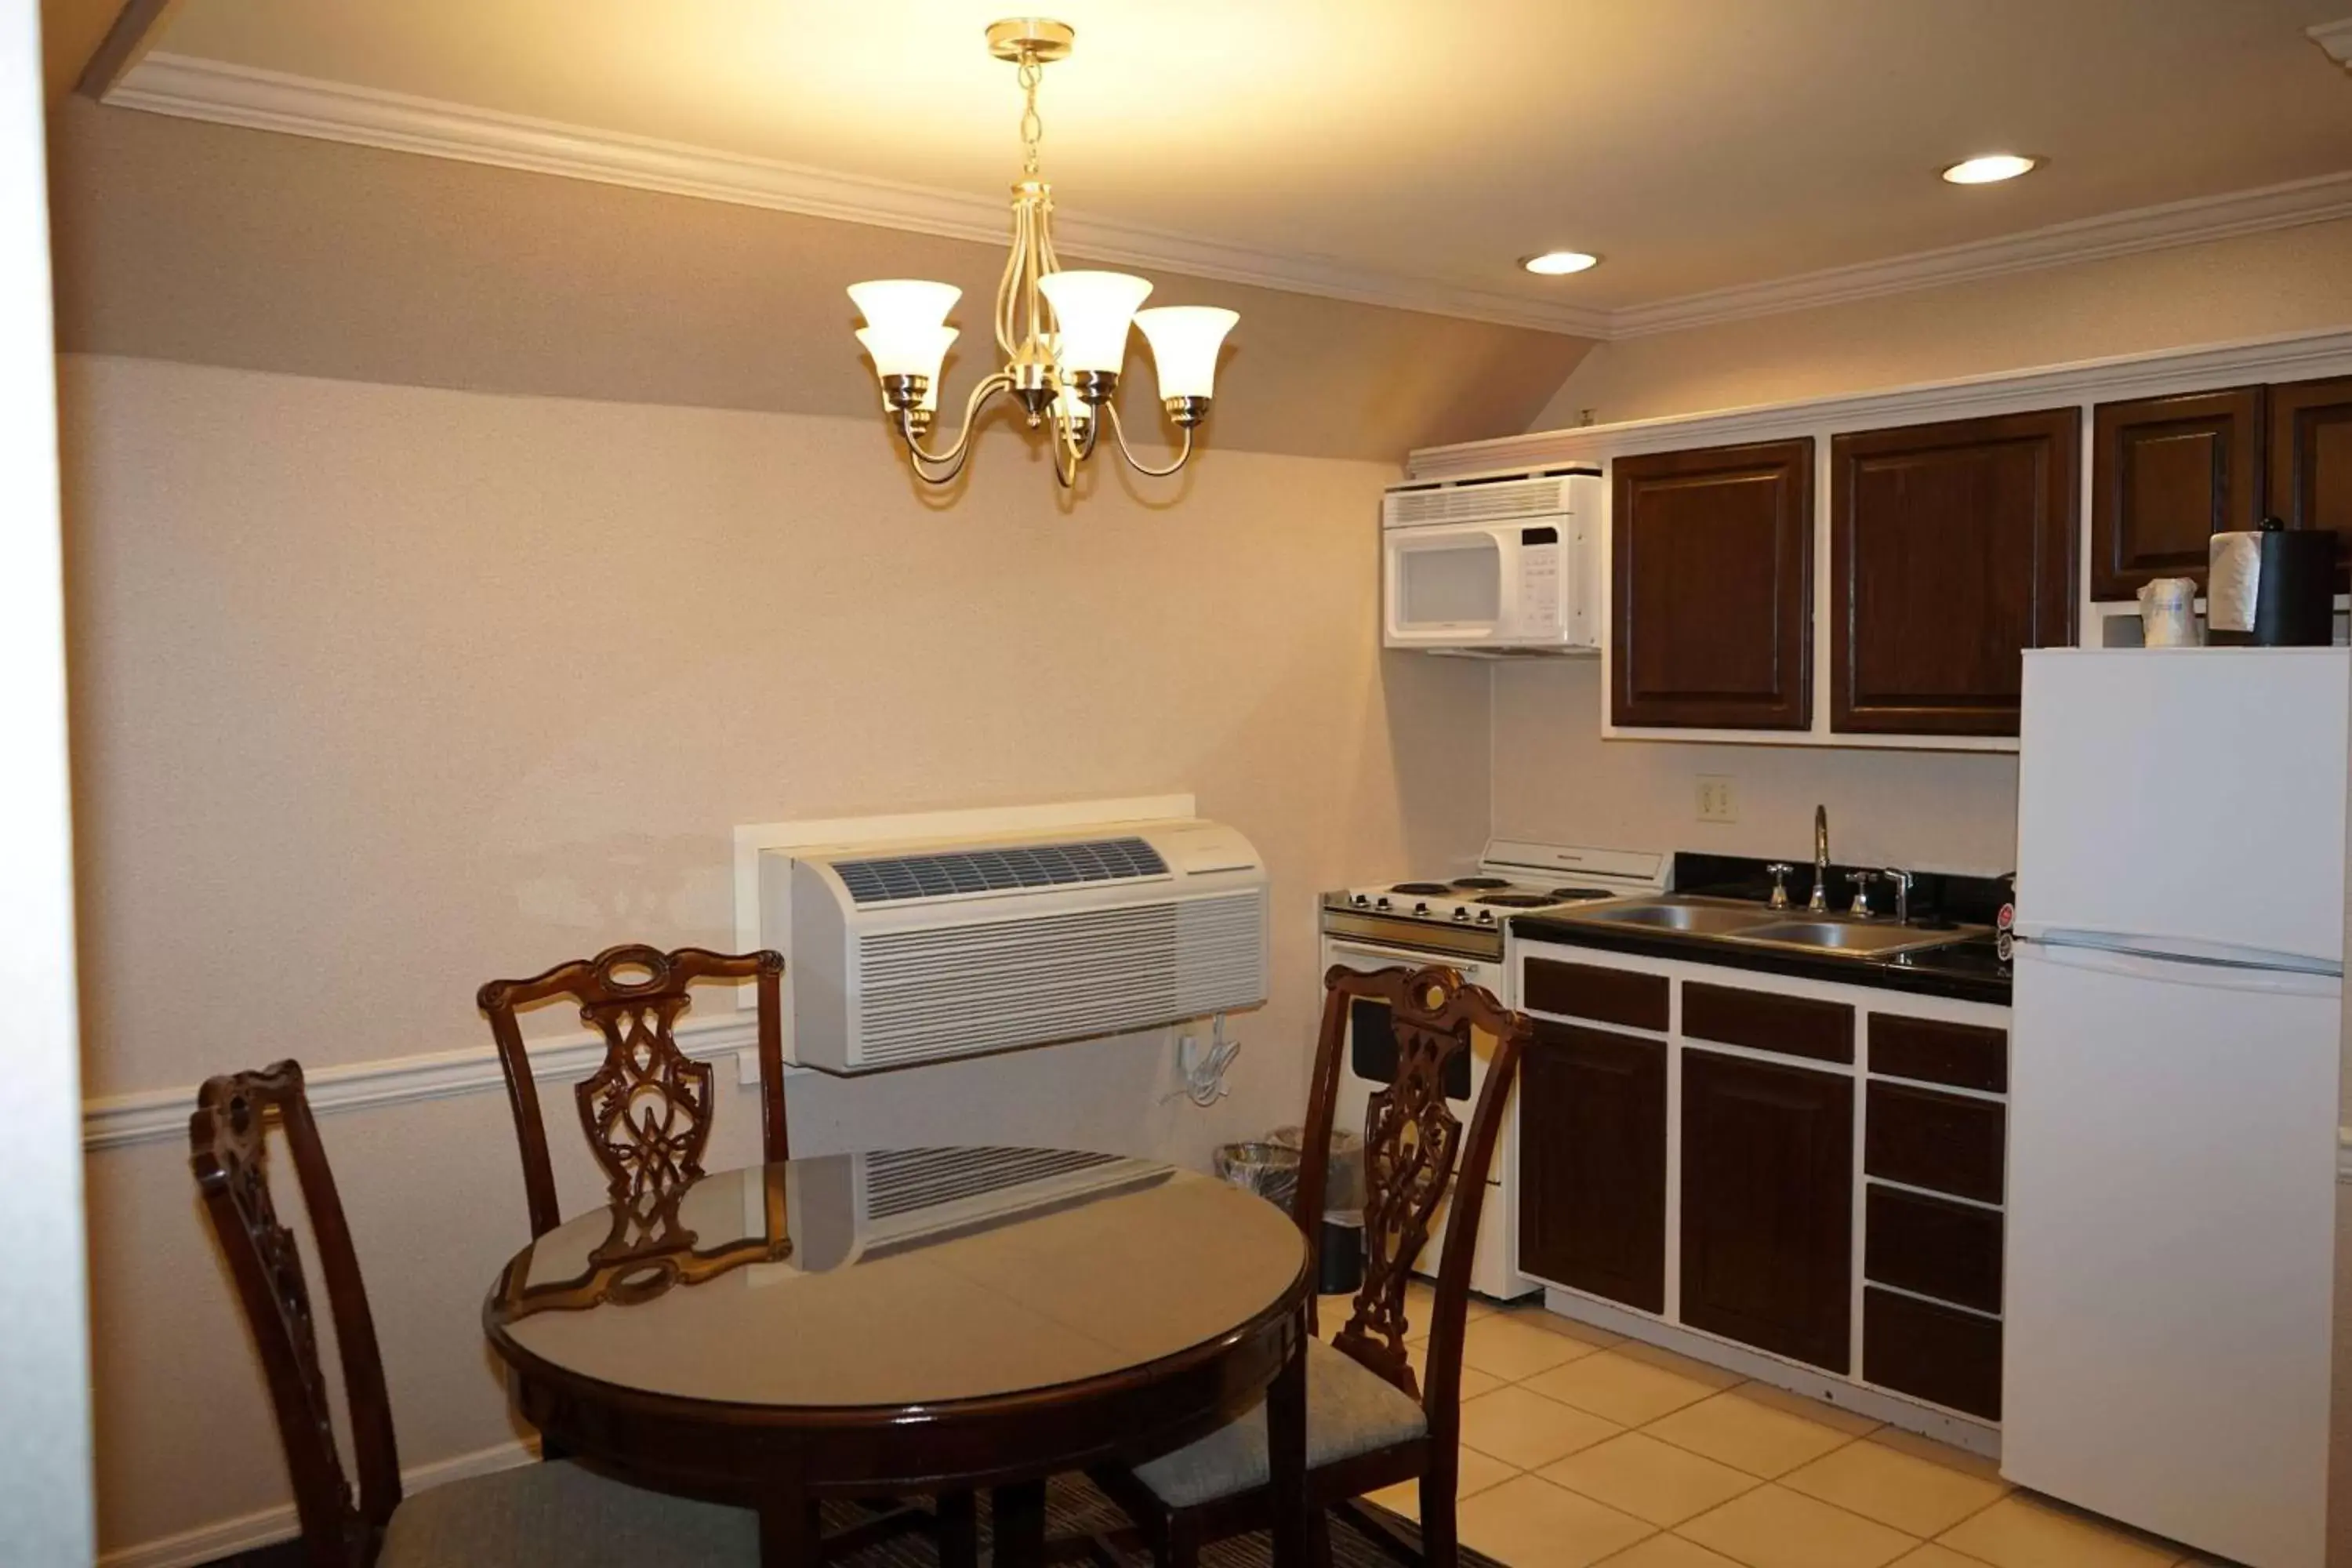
2164 950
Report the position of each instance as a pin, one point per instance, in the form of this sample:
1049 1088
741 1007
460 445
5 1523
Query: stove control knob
1420 908
1381 904
1460 912
1486 916
1362 901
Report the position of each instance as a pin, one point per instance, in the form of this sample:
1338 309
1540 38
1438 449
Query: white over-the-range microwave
1494 567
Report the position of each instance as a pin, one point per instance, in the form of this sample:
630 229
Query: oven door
1469 585
1368 1063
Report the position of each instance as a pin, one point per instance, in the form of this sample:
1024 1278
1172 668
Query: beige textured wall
1556 778
2287 281
379 692
211 244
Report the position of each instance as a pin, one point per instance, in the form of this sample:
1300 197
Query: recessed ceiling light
1991 169
1554 263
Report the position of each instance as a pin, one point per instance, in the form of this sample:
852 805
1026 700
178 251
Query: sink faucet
1902 881
1819 903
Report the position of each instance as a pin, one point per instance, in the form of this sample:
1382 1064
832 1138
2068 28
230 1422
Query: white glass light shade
913 351
1991 168
1093 309
1184 342
891 303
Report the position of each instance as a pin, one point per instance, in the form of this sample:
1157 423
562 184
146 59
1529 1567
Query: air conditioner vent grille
895 877
1477 503
954 991
901 1180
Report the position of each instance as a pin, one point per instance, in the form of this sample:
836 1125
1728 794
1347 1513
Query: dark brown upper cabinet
1951 552
1711 588
2166 474
2311 460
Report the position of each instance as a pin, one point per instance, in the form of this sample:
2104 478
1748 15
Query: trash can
1340 1255
1268 1169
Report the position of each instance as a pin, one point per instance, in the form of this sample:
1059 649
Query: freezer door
2170 1247
2189 793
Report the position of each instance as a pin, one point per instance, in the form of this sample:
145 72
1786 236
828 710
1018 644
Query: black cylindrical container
1341 1258
2295 596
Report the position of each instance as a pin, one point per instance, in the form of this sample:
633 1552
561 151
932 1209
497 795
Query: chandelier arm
989 386
1118 430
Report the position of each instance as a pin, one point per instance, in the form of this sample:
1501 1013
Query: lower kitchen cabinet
1768 1205
1935 1352
1592 1185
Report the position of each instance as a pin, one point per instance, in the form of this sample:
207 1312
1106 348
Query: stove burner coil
1422 887
1518 901
1582 893
1476 884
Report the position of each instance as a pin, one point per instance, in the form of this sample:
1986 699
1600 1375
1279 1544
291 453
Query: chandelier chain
1032 127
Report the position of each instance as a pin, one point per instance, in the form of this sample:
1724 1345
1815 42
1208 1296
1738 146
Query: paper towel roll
2231 583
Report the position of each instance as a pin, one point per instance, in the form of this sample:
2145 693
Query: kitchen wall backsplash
1557 781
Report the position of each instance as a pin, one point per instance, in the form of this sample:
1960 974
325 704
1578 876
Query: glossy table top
899 1278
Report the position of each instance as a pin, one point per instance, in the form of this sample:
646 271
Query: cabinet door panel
1710 619
1943 1142
1767 1206
2166 474
1952 552
1592 1163
2311 460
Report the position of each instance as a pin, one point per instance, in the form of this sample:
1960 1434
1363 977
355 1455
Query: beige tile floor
1581 1448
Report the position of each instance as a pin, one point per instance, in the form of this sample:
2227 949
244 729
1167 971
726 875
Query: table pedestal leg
1285 1432
1019 1521
957 1526
790 1533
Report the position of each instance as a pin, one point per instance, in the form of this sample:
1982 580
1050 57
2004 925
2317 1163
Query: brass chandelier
1063 334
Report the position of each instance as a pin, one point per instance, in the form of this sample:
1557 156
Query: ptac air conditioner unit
929 951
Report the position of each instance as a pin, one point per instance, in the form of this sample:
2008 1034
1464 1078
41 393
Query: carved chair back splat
1412 1138
227 1149
647 1111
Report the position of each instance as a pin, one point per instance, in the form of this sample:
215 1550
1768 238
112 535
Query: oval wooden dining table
906 1322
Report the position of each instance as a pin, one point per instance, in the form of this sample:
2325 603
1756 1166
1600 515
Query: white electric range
1463 923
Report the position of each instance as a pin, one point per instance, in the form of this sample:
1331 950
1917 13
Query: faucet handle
1779 871
1861 881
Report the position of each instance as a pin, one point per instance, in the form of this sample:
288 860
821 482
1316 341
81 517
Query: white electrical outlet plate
1716 801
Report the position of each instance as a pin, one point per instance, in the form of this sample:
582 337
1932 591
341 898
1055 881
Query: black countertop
1969 971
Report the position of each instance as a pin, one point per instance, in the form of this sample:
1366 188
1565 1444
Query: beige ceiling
1696 144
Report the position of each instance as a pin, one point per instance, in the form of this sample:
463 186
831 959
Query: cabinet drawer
1947 1250
1967 1055
1588 991
1940 1142
1936 1353
1766 1021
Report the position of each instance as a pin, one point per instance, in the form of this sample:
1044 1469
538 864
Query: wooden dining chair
1370 1423
535 1515
646 1109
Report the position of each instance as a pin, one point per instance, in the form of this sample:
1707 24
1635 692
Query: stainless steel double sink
1753 925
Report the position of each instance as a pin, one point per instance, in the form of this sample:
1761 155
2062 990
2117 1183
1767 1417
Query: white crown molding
2291 356
2173 224
228 94
2335 37
160 1115
268 1526
196 89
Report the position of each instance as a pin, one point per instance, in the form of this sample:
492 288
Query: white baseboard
208 1543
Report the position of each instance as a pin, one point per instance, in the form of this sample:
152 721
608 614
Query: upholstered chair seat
1350 1410
558 1515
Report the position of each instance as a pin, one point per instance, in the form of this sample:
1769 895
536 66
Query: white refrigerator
2174 1099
